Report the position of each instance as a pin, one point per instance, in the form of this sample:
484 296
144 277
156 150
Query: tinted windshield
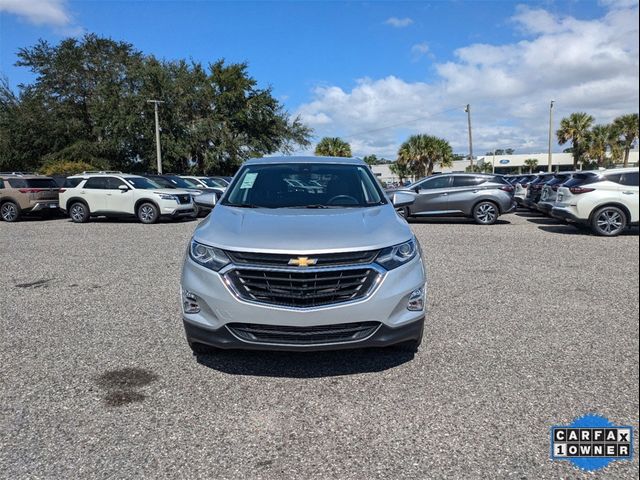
307 185
214 182
142 183
180 182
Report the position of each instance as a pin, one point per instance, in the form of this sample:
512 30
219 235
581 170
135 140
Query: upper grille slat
322 259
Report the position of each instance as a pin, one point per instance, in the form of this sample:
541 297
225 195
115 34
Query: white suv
607 201
118 194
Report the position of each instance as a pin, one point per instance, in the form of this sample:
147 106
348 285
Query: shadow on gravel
135 220
303 364
35 284
570 230
122 385
544 221
531 214
452 221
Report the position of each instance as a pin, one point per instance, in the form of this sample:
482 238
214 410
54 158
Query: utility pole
468 110
158 152
550 134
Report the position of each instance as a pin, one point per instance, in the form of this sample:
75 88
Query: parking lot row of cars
604 201
105 193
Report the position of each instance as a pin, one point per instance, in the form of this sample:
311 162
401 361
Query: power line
399 124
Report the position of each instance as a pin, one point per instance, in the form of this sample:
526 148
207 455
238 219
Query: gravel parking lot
529 324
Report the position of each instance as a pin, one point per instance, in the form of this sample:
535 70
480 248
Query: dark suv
535 189
481 197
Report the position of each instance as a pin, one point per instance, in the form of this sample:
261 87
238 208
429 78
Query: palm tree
333 147
575 129
401 170
531 163
599 140
422 152
626 127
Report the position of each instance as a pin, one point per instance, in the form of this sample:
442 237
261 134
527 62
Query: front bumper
178 212
44 205
512 208
384 336
219 306
545 207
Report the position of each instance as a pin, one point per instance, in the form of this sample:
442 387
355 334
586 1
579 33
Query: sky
374 73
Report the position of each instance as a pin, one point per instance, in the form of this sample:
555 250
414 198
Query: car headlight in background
392 257
207 256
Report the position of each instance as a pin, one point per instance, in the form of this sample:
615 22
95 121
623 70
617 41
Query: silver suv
481 197
303 253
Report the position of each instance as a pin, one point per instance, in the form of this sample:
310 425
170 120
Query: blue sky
344 65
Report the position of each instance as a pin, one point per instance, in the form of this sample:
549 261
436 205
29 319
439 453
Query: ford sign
504 161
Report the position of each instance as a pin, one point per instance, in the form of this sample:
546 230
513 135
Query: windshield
142 183
179 182
214 182
306 185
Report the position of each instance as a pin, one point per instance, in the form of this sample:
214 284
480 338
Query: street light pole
550 134
158 152
468 110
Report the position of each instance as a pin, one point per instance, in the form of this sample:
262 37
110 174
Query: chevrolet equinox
303 254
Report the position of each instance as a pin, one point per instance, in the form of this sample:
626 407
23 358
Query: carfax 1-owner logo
591 442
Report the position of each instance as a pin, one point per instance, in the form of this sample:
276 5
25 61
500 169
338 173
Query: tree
401 170
626 127
88 103
532 163
333 147
575 129
509 151
372 160
599 139
422 152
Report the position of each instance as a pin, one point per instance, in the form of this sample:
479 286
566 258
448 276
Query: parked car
275 267
534 189
606 201
186 184
482 197
521 186
120 195
24 194
550 190
216 183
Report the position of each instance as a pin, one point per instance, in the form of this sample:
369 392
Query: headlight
392 257
166 196
209 257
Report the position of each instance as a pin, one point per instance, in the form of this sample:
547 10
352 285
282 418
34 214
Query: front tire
608 222
485 213
404 212
79 212
148 213
10 212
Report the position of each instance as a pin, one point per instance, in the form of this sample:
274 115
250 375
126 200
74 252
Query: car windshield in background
306 185
214 183
179 182
142 183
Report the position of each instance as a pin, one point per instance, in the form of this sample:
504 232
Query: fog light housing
190 302
416 300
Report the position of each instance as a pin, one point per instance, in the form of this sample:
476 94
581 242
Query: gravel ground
530 324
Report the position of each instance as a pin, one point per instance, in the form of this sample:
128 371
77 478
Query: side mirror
206 200
402 199
123 188
416 189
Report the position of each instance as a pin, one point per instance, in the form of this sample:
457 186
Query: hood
299 230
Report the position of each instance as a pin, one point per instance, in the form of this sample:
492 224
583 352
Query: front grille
322 260
348 332
182 199
302 289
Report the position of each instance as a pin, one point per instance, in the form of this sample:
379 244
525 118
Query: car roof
104 174
303 159
27 176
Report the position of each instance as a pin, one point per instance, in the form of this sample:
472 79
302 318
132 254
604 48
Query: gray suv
479 196
303 253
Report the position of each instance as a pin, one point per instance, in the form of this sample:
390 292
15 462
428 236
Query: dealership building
501 164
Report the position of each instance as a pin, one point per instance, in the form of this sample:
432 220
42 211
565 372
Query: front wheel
485 213
404 212
608 222
10 212
148 213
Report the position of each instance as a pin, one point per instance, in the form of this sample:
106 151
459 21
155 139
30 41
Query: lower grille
303 289
347 332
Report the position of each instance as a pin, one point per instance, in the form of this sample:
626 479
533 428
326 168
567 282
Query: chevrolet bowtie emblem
303 261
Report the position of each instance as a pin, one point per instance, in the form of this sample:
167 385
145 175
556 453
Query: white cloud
40 12
399 22
584 65
420 50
